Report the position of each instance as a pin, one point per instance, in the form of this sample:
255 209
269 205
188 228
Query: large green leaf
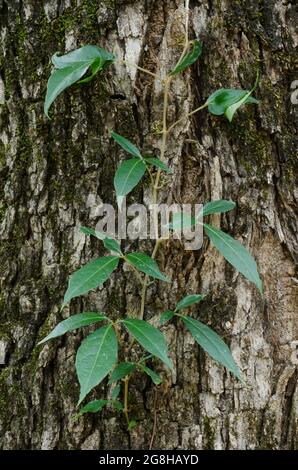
189 58
126 145
74 322
128 175
71 67
158 163
91 275
188 301
212 344
147 265
218 206
150 338
221 99
235 253
60 80
121 371
95 358
88 54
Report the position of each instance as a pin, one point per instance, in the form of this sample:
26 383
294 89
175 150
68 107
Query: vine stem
125 409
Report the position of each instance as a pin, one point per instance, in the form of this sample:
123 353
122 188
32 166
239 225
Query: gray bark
54 174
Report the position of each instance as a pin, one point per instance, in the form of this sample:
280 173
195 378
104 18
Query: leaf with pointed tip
126 145
121 371
60 80
231 110
212 343
188 301
91 231
90 276
146 264
189 58
235 253
166 316
92 407
153 375
218 206
158 163
150 338
221 99
74 322
87 54
181 220
128 175
95 358
116 392
112 245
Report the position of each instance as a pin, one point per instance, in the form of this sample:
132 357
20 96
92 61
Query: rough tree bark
55 174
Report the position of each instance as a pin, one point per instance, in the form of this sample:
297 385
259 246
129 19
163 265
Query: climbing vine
97 356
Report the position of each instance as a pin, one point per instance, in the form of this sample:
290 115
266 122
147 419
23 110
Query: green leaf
91 231
116 392
74 322
189 58
188 300
126 145
166 316
146 264
95 358
122 370
132 424
153 375
92 407
212 344
90 276
218 206
222 99
71 67
87 54
60 80
117 404
128 175
150 338
112 245
235 253
158 163
181 220
231 110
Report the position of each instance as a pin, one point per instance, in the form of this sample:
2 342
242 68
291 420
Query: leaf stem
125 409
186 116
124 62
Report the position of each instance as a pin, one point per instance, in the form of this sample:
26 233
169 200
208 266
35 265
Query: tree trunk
55 174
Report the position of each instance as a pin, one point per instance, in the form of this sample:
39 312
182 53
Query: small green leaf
188 300
95 358
126 145
116 392
122 370
90 276
221 99
235 253
150 338
158 163
231 110
112 245
132 424
146 265
92 407
91 231
189 58
212 344
218 206
128 175
60 80
166 316
117 404
181 220
74 322
153 375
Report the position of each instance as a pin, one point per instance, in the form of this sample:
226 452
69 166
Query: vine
97 356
